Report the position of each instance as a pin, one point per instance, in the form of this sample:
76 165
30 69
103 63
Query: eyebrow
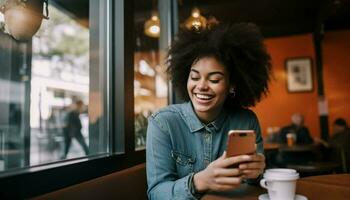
211 73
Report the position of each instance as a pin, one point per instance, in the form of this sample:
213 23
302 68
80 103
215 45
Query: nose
202 85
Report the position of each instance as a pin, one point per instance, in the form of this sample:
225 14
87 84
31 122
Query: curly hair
239 47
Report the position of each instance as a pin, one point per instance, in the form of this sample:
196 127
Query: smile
203 96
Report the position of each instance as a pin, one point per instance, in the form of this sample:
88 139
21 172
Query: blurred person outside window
73 128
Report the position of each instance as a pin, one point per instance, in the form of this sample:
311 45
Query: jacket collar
195 124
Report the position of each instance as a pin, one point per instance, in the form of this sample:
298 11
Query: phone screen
240 142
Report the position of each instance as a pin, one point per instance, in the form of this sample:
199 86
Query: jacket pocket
184 163
182 159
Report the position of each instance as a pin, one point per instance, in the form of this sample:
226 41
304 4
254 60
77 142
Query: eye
214 81
194 78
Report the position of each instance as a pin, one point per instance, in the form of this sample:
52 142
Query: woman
219 72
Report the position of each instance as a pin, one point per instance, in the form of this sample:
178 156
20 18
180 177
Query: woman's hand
218 176
254 167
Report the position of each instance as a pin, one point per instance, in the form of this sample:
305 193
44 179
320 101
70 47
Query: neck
207 117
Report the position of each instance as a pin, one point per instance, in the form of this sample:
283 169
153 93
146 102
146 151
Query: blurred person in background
337 148
302 134
73 128
340 136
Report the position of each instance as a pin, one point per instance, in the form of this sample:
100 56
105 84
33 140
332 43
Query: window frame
37 180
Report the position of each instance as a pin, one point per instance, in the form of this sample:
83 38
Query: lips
203 98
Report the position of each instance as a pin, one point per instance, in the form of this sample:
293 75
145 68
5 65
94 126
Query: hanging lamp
196 21
152 26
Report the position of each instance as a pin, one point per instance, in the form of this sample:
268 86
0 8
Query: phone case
240 142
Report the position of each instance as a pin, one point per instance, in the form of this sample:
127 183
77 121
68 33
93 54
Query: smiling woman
220 72
208 86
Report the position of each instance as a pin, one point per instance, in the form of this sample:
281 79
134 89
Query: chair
335 162
126 184
345 155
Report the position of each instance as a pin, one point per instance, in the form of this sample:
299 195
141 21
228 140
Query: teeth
202 96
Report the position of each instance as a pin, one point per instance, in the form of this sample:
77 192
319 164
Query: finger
233 160
257 157
227 172
224 155
221 187
252 165
251 173
228 180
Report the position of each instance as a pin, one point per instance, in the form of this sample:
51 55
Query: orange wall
336 56
277 108
279 105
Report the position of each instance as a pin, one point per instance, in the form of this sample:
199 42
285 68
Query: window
101 78
52 89
150 81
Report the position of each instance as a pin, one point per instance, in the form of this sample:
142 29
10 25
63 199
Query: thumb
223 156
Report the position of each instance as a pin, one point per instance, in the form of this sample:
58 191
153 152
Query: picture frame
299 74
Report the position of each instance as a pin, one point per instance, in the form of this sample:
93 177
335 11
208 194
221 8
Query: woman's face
208 86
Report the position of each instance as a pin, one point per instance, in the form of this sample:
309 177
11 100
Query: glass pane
150 83
51 88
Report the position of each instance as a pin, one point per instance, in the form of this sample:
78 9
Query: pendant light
196 21
152 26
23 17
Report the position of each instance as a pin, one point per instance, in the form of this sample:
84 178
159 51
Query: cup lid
281 174
281 170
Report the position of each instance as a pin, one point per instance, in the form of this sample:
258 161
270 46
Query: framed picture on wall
299 74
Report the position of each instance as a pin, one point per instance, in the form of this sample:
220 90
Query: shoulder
243 114
243 118
169 111
305 129
288 127
167 114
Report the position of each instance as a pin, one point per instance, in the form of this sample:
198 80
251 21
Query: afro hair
239 47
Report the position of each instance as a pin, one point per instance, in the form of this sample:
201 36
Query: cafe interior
107 59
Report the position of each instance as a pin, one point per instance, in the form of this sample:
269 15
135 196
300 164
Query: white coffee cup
280 183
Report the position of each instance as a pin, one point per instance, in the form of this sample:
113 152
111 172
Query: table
271 146
298 148
325 187
296 154
245 192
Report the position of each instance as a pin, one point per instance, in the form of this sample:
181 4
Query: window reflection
150 83
51 106
60 89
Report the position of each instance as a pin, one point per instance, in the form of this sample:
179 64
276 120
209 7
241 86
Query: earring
232 92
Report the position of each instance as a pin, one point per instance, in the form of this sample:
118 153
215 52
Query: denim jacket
179 144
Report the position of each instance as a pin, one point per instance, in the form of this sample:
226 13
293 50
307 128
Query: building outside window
52 93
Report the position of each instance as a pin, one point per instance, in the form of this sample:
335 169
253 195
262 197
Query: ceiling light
23 18
196 21
152 26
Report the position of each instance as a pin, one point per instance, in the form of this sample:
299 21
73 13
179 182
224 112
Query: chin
202 108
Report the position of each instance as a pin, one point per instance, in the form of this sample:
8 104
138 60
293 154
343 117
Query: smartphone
240 142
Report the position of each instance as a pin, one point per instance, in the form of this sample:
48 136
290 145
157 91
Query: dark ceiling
274 17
